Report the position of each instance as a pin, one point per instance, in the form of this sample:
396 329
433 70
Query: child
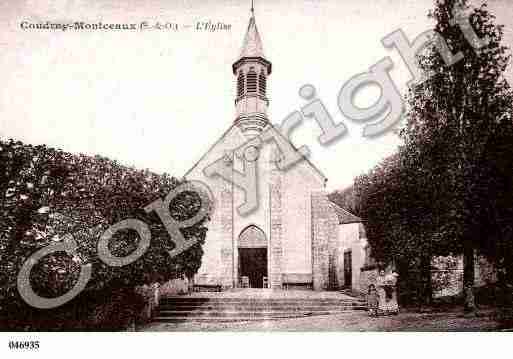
372 300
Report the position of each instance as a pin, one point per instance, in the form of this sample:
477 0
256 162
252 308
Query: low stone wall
175 287
152 294
447 275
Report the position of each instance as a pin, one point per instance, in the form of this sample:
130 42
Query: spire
252 45
251 71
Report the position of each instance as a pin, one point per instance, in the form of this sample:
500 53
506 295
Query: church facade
291 240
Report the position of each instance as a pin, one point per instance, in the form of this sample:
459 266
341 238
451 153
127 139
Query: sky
159 99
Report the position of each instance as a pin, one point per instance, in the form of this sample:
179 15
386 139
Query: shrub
46 194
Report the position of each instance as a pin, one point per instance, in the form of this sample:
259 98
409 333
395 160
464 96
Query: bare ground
353 321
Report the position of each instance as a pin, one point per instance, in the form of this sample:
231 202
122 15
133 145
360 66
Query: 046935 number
25 345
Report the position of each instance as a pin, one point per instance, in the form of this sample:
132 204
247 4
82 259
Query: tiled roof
344 216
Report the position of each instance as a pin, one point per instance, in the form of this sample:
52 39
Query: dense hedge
108 309
46 194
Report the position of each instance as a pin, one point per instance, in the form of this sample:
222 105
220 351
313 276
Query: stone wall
324 239
352 238
358 259
283 214
226 224
447 274
217 261
174 287
276 252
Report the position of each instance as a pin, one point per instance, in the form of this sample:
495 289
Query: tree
397 208
454 120
346 199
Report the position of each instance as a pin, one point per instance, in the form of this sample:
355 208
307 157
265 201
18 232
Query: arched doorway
252 247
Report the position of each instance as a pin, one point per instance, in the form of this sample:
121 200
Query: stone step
219 319
235 317
355 306
268 302
178 301
233 313
212 309
260 298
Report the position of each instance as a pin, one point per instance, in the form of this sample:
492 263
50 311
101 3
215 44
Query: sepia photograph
322 167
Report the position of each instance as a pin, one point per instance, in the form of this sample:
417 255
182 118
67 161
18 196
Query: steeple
252 45
252 70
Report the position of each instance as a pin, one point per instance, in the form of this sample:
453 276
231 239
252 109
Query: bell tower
251 71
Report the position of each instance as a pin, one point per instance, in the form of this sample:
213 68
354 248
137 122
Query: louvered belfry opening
262 83
240 84
252 81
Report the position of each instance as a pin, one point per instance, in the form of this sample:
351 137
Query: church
295 238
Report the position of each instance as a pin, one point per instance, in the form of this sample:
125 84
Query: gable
232 139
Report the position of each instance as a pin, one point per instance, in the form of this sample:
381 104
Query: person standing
391 288
380 284
372 301
387 293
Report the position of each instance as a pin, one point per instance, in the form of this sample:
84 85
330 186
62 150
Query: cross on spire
252 8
